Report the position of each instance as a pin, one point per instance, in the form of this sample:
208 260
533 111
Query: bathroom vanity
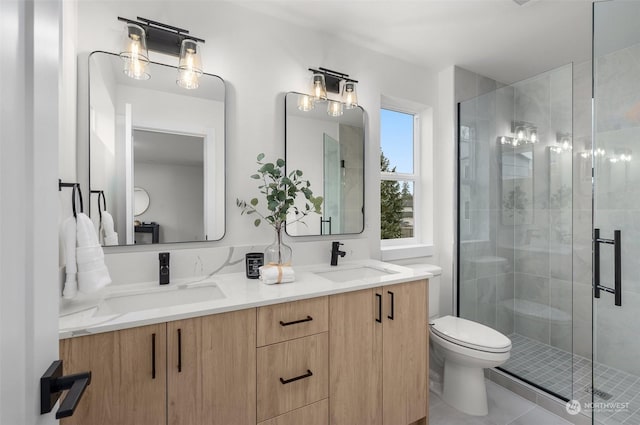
330 348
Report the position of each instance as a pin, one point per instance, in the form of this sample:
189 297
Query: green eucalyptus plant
280 191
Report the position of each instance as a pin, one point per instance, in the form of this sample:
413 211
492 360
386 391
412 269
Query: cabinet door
404 368
124 389
212 369
355 358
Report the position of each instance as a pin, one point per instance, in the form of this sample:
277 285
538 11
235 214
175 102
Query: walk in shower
549 209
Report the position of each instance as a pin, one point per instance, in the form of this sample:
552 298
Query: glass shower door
616 213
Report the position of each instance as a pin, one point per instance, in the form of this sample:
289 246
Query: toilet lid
470 334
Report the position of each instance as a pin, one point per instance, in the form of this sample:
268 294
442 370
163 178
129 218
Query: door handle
617 250
297 378
379 318
295 322
52 383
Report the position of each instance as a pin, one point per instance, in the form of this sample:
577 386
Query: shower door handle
617 247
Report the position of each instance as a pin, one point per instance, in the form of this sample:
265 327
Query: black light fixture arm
333 78
161 37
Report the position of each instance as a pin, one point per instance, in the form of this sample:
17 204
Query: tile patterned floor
505 408
618 396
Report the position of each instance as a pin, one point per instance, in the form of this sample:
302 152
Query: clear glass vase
278 252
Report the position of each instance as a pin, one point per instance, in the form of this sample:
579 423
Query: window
398 177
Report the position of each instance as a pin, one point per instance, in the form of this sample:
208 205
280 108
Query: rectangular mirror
330 152
156 154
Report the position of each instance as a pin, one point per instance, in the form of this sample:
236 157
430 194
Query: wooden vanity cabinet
212 369
205 373
378 356
125 387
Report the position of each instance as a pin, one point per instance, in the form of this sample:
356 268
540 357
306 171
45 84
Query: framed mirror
155 135
330 152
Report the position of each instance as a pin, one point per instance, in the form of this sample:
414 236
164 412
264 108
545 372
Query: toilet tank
434 286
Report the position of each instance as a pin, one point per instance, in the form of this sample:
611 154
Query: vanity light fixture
349 94
523 133
325 80
134 52
144 34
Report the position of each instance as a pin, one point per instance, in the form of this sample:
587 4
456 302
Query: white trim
392 253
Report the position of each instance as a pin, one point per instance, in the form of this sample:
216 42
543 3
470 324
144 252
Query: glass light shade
305 103
134 53
318 87
521 133
349 95
533 136
334 109
190 65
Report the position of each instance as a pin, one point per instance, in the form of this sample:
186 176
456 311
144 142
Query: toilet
466 347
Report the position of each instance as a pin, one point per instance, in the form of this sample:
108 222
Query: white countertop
77 317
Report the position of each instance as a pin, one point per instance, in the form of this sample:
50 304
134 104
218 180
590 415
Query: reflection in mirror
517 184
158 136
330 151
140 201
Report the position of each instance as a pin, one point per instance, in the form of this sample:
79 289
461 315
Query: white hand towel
273 273
69 243
92 272
109 234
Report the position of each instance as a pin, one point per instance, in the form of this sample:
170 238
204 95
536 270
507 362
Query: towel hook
76 186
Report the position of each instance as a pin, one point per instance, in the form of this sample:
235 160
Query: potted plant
280 191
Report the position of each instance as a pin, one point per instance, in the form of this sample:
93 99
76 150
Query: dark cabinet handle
297 378
393 302
295 322
379 318
179 350
617 247
153 355
70 402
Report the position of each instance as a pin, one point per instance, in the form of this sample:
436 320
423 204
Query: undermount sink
158 298
354 273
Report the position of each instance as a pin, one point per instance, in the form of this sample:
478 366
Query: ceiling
496 38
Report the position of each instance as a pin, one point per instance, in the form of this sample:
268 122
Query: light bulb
534 136
318 87
189 66
349 95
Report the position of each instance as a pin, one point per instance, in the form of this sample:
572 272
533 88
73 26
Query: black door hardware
153 355
379 318
179 350
617 248
297 378
393 302
308 319
52 383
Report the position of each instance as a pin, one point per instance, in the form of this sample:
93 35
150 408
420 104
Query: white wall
261 58
30 127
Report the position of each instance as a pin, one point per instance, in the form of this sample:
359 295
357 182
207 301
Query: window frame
414 177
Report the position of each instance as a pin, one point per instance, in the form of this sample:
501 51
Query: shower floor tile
617 399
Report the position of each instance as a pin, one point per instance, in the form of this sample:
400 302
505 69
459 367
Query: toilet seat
470 334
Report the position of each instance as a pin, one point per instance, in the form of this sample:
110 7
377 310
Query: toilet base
464 388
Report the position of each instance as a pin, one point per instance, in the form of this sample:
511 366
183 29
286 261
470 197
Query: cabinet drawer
292 374
313 414
282 322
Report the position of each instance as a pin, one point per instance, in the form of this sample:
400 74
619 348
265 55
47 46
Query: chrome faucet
335 252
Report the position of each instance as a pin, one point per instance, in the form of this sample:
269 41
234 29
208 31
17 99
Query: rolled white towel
110 236
92 272
274 273
69 243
